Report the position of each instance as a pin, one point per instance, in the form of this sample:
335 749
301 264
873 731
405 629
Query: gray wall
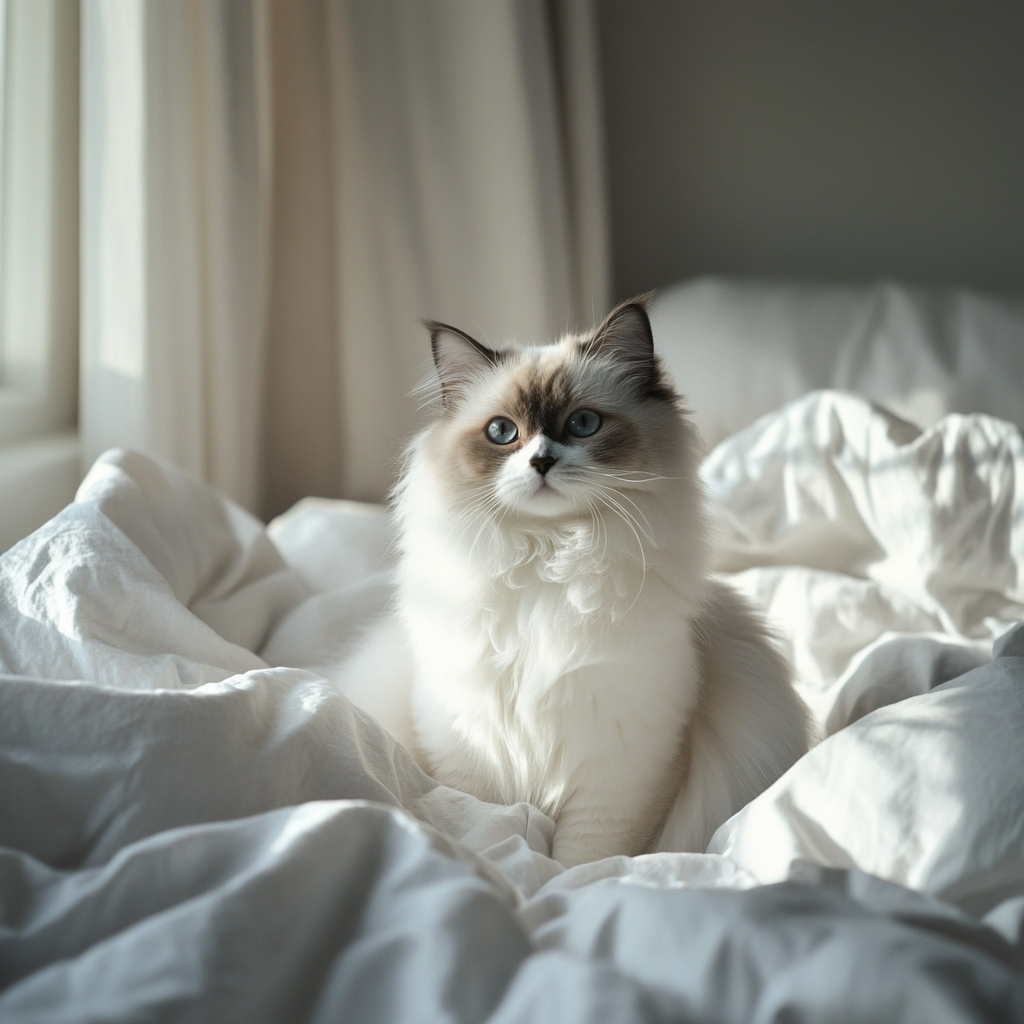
825 139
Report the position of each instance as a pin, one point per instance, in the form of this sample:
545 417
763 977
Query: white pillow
739 349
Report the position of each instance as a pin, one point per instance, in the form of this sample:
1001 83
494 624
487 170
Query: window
39 456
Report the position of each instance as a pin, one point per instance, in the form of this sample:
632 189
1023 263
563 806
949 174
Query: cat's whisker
624 515
634 479
467 513
471 497
476 502
592 474
601 528
465 516
649 531
504 512
596 531
613 496
645 525
492 507
426 392
471 512
620 495
635 528
481 522
608 499
643 553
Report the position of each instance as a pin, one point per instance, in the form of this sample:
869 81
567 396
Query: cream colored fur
557 637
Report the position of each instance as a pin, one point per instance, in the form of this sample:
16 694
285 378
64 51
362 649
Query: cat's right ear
458 359
626 336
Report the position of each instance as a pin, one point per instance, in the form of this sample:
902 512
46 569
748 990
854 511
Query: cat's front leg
580 845
610 817
584 836
620 766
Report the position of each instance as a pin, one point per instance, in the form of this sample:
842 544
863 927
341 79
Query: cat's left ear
626 336
458 359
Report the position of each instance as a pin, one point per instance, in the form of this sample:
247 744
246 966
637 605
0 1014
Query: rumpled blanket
195 828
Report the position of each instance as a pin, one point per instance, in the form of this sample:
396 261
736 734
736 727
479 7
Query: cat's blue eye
583 423
502 430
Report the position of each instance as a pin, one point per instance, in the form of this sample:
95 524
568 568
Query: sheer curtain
176 166
275 194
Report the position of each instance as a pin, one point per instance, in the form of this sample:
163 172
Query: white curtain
176 168
251 307
453 199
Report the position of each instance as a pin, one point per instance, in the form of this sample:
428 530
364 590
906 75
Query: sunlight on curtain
175 222
117 99
274 195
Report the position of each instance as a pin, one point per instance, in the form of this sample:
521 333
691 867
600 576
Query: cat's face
555 431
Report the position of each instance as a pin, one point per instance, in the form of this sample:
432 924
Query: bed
195 827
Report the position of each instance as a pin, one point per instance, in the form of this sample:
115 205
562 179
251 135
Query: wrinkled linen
193 827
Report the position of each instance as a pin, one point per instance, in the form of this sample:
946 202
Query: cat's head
556 430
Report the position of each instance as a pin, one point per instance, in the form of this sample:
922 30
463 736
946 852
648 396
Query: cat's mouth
545 489
546 499
538 494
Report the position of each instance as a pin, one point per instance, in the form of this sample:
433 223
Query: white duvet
189 833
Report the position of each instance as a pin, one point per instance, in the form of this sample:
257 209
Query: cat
558 638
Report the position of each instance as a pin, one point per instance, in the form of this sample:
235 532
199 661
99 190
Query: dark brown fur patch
542 399
661 389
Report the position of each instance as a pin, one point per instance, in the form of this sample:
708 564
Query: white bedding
189 833
742 348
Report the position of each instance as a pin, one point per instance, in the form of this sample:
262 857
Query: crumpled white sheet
189 833
855 528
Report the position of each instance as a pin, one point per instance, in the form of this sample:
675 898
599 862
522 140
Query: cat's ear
458 358
626 336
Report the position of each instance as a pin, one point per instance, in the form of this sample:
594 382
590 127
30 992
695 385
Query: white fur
568 648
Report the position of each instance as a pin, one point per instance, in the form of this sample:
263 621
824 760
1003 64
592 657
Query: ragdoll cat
558 638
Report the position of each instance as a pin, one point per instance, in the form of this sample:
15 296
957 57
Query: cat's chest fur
537 654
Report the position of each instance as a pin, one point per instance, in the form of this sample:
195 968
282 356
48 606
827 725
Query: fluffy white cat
558 638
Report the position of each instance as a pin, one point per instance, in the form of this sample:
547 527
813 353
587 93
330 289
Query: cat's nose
542 463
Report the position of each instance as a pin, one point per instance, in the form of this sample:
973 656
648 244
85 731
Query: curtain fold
578 72
302 441
176 177
467 185
450 199
274 194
